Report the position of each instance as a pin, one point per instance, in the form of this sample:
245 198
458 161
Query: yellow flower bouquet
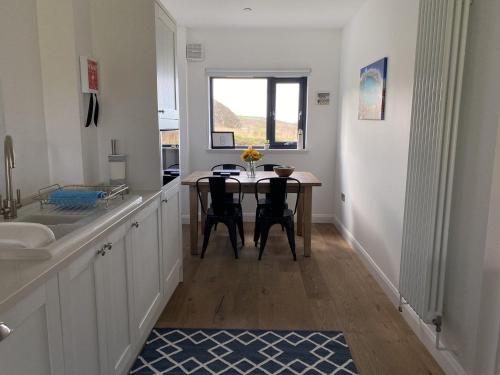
250 155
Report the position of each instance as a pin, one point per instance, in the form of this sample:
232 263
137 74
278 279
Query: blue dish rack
82 199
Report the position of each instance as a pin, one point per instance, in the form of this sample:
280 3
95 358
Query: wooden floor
332 290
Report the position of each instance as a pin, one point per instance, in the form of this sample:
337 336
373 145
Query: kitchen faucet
9 206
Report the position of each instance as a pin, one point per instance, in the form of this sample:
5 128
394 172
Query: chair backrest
267 167
278 193
228 166
218 194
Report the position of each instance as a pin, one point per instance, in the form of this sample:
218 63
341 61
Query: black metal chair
230 197
262 202
221 211
276 211
267 167
228 166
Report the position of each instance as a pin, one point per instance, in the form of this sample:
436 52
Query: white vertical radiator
442 33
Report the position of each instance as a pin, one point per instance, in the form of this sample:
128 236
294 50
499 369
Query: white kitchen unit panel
172 240
166 66
83 314
147 266
96 303
34 346
119 300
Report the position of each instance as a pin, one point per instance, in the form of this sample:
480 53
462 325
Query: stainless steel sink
52 219
69 224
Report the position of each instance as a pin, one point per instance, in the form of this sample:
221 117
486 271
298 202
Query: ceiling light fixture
247 9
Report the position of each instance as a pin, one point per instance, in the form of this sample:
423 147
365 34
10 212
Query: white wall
372 155
89 135
371 170
21 94
123 40
61 94
250 49
40 92
488 343
471 276
41 95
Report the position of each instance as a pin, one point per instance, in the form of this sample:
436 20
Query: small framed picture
222 140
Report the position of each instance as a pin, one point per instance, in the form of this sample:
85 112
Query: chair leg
232 237
206 236
263 237
256 230
290 232
241 230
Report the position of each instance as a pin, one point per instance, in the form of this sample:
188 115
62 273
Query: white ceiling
265 13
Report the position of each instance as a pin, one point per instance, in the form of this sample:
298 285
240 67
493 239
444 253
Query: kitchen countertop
20 277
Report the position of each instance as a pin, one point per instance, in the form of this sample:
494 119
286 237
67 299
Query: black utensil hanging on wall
96 111
93 112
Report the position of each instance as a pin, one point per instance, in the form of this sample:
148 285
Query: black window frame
271 109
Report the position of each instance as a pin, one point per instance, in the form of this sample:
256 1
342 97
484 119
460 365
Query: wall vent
194 52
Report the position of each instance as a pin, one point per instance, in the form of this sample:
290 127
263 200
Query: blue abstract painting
372 91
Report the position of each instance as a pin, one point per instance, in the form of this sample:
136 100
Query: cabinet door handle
106 246
165 201
102 251
161 111
135 224
4 331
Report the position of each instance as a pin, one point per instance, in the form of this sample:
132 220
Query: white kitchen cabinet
118 303
172 240
35 345
83 315
147 266
94 315
166 65
96 308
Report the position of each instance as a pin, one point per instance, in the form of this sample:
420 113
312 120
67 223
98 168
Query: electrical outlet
342 197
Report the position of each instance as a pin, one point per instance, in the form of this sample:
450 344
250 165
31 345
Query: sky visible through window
245 97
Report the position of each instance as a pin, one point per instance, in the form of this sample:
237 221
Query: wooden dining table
304 208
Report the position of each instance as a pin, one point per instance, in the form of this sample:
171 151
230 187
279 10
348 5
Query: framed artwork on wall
222 140
372 91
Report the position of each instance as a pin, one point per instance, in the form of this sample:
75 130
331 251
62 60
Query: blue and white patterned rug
252 352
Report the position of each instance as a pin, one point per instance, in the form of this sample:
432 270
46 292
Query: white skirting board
424 332
249 217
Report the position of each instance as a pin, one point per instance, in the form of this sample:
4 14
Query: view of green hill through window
249 131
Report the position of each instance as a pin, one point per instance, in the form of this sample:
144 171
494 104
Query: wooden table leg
307 220
300 215
193 219
204 199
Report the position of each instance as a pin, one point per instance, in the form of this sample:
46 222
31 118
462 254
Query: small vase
251 169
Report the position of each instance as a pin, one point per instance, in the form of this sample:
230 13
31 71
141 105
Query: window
170 137
259 109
